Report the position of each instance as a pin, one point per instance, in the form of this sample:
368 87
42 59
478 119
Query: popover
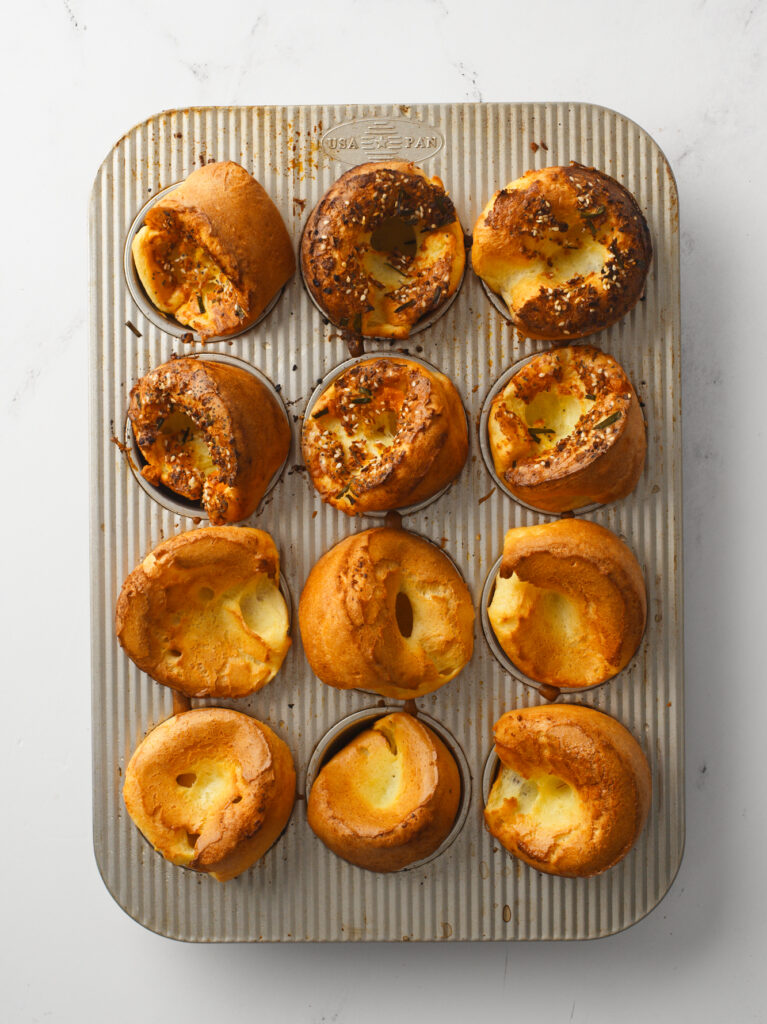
214 251
569 606
211 789
382 249
385 434
566 248
389 797
572 792
203 612
567 430
210 432
386 611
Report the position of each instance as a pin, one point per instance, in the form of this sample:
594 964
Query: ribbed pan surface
300 891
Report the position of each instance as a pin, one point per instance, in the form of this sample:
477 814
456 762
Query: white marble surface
77 74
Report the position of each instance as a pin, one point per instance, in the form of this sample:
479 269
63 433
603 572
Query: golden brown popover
569 606
573 790
211 433
567 430
566 248
386 611
389 798
386 433
203 612
214 251
382 249
211 789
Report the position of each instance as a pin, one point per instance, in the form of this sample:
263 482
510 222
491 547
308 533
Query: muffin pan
473 890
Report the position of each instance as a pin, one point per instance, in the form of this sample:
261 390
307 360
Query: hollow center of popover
551 415
370 434
404 613
182 279
546 633
549 799
558 266
251 618
379 777
394 236
181 445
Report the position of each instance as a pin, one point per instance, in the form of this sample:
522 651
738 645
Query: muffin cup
328 379
487 455
136 289
548 691
425 322
173 502
344 731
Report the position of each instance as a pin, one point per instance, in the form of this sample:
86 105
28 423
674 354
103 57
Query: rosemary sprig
608 421
322 412
200 304
536 431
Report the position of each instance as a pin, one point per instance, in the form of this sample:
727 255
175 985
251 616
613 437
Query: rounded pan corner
121 905
152 119
646 134
649 910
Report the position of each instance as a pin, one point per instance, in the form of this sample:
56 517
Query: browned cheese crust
387 433
214 252
211 433
203 613
389 798
567 248
211 789
569 607
367 279
567 430
573 790
386 611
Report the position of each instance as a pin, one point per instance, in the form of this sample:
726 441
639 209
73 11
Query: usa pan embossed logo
382 138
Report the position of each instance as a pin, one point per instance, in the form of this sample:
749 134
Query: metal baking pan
474 889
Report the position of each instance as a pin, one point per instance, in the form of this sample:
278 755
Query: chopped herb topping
536 431
322 412
200 304
591 398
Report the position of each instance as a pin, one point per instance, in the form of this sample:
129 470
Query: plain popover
569 606
572 792
386 611
211 789
203 612
389 797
